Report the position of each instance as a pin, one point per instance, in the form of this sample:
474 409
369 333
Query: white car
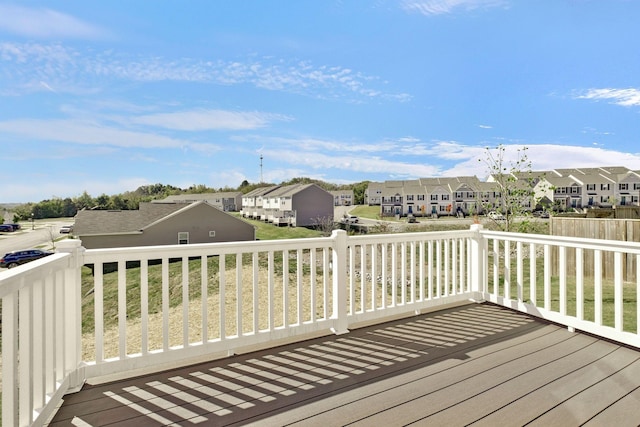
350 219
496 216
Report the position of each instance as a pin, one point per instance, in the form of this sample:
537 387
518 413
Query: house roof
101 222
199 196
261 191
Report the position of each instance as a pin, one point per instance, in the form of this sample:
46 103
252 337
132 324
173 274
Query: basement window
183 238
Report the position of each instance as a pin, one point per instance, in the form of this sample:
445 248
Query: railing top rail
13 279
581 242
198 249
402 237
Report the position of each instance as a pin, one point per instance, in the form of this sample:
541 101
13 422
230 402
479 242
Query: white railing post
73 312
477 261
339 274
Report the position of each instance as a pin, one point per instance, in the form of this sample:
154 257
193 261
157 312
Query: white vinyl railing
83 314
586 284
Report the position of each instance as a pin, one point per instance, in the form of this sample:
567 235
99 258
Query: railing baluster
507 269
597 278
25 355
533 279
255 293
10 333
185 301
165 304
285 288
562 273
547 277
239 302
271 289
363 275
579 284
519 272
312 297
144 306
222 299
98 309
204 298
299 286
618 295
374 277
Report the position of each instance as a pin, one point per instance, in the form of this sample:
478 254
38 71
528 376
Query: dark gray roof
89 222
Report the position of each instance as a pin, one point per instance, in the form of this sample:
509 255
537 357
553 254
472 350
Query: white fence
155 307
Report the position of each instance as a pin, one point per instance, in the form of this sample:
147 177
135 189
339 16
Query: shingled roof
99 222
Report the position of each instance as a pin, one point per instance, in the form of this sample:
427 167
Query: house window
434 197
183 238
445 197
604 186
420 196
624 186
410 197
591 187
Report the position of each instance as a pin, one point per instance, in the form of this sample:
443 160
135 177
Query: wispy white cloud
86 132
45 23
353 163
629 97
440 7
210 120
34 67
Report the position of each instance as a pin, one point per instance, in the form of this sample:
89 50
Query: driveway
39 237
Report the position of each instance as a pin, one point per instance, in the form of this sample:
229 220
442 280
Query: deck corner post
477 261
73 364
339 276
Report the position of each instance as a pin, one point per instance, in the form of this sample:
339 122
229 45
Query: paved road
39 237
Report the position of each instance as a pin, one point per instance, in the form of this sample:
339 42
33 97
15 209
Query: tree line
130 200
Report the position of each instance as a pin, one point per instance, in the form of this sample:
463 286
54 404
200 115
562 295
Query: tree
514 184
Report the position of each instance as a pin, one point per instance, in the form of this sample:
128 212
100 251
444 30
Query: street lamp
33 226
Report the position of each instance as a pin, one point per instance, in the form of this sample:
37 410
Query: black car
6 228
15 258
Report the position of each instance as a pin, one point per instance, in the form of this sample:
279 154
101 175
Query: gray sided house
301 205
230 201
160 224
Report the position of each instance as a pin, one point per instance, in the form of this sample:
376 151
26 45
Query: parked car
6 228
16 258
350 219
496 216
66 229
15 226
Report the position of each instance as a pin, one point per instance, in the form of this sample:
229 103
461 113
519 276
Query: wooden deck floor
476 364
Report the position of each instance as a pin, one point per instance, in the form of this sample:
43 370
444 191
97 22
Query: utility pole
261 181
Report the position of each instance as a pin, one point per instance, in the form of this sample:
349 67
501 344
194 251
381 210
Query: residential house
252 202
391 200
298 205
225 201
628 188
160 224
373 194
342 197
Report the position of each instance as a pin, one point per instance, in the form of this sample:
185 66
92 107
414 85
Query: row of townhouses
565 189
298 205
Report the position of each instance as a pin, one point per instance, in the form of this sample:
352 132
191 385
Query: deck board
476 364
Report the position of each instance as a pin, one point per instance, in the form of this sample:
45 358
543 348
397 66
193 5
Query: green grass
629 294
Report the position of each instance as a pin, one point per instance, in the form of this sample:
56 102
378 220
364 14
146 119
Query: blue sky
105 97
